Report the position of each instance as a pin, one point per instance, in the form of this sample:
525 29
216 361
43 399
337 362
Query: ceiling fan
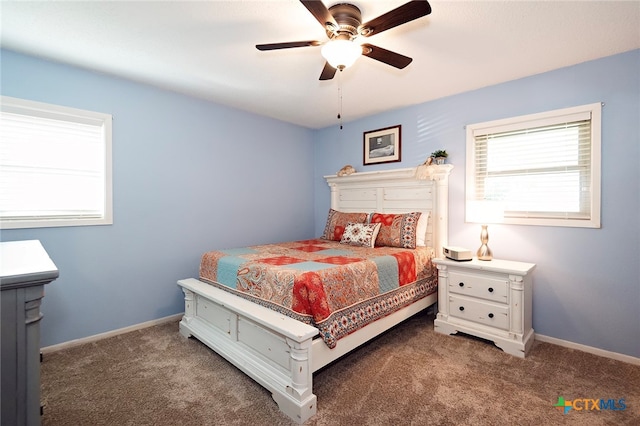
343 24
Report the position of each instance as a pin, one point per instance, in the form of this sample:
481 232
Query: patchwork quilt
335 287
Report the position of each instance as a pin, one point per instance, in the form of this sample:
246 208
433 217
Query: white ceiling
207 48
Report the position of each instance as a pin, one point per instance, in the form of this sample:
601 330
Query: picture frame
382 145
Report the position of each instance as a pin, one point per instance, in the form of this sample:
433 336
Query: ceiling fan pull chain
340 97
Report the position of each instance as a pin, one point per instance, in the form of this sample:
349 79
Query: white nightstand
487 299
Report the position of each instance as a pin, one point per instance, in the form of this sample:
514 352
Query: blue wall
191 175
188 176
587 281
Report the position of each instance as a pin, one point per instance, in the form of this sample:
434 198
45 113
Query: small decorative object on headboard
433 171
346 170
439 156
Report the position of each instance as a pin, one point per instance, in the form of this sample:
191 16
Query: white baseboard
540 337
588 349
96 337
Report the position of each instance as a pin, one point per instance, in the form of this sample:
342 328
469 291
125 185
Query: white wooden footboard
276 351
271 348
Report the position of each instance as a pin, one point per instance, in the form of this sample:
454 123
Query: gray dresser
25 267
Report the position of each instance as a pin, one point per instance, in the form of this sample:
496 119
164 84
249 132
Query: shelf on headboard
432 172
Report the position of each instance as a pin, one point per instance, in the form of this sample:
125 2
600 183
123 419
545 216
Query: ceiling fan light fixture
341 54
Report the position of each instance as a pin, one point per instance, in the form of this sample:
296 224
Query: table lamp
485 212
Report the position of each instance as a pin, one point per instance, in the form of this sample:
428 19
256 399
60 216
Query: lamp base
484 253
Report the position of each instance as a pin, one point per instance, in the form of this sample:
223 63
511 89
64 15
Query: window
543 168
55 165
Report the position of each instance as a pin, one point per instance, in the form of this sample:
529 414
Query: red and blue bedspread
335 287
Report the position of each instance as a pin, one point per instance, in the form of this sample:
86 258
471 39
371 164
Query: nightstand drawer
486 287
490 314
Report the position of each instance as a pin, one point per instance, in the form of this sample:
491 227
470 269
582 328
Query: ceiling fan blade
320 12
398 16
328 72
383 55
288 45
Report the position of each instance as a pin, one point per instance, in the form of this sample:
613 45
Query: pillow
360 234
421 230
397 230
337 221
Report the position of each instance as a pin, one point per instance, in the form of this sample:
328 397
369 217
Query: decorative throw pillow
360 234
337 222
397 230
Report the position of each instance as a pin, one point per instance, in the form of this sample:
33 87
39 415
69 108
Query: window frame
530 121
62 113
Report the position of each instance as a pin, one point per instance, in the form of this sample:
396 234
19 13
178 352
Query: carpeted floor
408 376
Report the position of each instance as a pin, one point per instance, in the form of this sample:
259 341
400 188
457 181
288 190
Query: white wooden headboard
423 188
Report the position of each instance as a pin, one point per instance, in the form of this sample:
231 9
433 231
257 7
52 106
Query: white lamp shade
341 53
485 211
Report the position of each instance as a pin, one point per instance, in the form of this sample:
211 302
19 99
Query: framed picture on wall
382 145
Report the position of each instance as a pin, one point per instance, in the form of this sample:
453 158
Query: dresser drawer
487 287
487 313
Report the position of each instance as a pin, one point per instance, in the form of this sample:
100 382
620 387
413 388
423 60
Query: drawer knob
490 315
461 284
462 308
490 289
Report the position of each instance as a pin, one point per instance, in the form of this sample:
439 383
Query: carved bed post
301 372
189 312
442 222
303 405
334 195
439 174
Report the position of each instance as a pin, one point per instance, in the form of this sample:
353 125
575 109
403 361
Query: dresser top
25 263
494 265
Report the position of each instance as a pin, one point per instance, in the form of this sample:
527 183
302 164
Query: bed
281 341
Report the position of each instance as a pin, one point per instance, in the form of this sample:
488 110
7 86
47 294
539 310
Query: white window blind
544 168
55 165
